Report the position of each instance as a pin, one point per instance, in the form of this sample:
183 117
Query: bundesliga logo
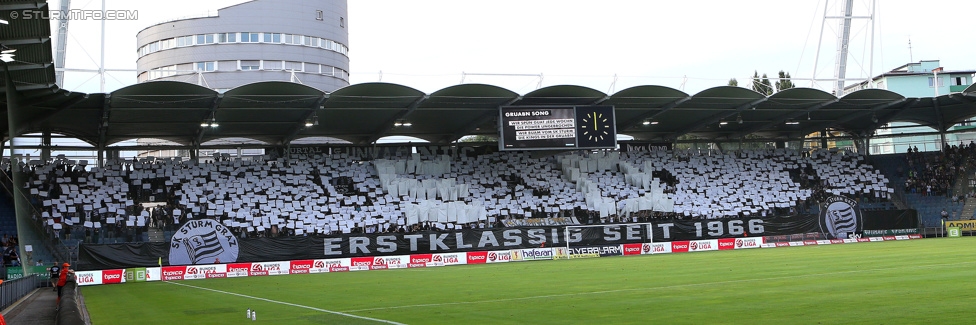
694 245
738 243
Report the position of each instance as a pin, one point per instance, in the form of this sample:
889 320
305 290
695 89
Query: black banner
114 256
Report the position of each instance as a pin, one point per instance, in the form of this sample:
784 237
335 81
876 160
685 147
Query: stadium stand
322 194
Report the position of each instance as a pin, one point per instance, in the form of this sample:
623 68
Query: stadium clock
596 127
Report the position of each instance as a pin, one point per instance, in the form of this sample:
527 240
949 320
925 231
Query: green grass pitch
897 282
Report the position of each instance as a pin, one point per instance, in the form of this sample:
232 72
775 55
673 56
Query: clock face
596 126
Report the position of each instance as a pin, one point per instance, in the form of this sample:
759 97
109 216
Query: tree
761 86
733 82
784 82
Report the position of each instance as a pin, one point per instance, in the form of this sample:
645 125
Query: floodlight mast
843 45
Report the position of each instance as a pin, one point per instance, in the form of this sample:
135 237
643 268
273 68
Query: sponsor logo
914 236
215 275
339 269
111 276
492 256
265 268
421 258
86 278
633 249
244 270
416 265
836 241
796 243
679 246
839 217
743 243
782 244
450 259
319 264
888 238
300 266
477 257
701 245
201 242
862 240
646 248
173 273
726 243
810 242
660 248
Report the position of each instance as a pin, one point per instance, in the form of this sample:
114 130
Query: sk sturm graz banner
203 242
840 218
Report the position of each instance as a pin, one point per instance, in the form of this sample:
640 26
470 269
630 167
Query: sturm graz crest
203 242
840 217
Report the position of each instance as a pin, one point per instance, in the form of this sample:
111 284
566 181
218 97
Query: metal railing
13 290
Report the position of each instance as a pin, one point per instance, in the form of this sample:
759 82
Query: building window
206 66
247 65
293 66
342 22
227 38
319 15
272 65
250 37
272 38
959 81
932 82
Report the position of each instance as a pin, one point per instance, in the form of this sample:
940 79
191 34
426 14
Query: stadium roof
276 112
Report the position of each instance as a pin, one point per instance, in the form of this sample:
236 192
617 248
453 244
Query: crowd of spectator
121 201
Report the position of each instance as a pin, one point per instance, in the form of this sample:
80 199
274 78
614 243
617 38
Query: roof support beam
653 114
103 127
30 66
940 119
206 118
718 117
301 123
23 5
388 125
785 118
467 128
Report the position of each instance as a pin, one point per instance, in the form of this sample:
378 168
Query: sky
608 45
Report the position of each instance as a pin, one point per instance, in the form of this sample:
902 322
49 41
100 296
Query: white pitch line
654 288
290 304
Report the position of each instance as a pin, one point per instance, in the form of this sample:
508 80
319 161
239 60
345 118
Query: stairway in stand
156 235
963 181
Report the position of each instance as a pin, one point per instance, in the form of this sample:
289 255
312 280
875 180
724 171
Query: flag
160 261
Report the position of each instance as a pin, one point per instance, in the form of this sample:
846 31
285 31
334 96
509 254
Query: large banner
198 244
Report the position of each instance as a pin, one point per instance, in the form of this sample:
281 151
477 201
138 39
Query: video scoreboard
557 127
